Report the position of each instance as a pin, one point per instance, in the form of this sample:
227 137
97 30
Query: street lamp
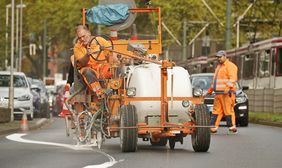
20 6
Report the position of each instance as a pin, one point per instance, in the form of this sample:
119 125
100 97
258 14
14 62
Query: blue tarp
108 14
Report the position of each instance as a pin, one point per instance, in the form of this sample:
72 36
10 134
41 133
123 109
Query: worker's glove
209 92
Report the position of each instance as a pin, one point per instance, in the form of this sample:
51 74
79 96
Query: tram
259 64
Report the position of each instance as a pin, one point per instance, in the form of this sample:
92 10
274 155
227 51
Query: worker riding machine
148 99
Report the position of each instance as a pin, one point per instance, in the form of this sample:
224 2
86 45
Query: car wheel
171 142
244 121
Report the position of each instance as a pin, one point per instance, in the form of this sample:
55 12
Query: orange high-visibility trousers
224 105
92 75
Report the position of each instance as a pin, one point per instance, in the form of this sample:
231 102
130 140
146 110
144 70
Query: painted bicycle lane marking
18 138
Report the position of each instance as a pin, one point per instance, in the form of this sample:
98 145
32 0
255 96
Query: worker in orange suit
224 87
92 59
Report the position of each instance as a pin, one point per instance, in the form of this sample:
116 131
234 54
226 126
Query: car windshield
204 82
19 81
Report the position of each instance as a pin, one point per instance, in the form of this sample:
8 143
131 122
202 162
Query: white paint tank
146 78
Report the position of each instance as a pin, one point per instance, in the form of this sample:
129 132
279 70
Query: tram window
264 58
248 67
279 63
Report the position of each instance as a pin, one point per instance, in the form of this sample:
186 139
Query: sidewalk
14 126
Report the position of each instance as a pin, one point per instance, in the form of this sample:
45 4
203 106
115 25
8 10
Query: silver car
22 94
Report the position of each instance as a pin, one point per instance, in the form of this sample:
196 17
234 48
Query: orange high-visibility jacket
100 67
225 78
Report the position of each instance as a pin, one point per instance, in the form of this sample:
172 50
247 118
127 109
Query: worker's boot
95 86
102 93
212 123
231 128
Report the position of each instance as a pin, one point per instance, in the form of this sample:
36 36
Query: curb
268 123
40 123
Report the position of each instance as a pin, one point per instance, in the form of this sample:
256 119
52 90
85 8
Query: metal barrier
265 100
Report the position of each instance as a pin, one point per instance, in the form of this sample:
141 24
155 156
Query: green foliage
264 116
62 16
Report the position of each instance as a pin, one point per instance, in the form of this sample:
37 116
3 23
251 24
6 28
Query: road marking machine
150 99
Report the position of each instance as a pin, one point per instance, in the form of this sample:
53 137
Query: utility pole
184 46
44 49
228 25
11 88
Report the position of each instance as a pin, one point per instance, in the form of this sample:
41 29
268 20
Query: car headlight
197 92
241 99
24 97
131 91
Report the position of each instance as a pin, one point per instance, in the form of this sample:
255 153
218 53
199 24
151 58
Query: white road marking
18 138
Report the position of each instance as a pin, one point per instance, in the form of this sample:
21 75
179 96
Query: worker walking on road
224 87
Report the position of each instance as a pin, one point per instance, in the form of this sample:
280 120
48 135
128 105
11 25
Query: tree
262 21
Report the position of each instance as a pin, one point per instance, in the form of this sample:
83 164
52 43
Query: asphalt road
255 146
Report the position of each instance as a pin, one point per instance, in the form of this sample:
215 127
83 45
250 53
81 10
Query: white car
22 94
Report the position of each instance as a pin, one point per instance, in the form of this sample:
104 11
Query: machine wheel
171 142
162 142
244 122
128 137
201 137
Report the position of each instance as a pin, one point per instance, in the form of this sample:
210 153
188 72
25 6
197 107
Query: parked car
36 101
59 99
51 91
39 86
202 81
22 94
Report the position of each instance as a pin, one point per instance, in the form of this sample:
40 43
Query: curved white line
18 138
